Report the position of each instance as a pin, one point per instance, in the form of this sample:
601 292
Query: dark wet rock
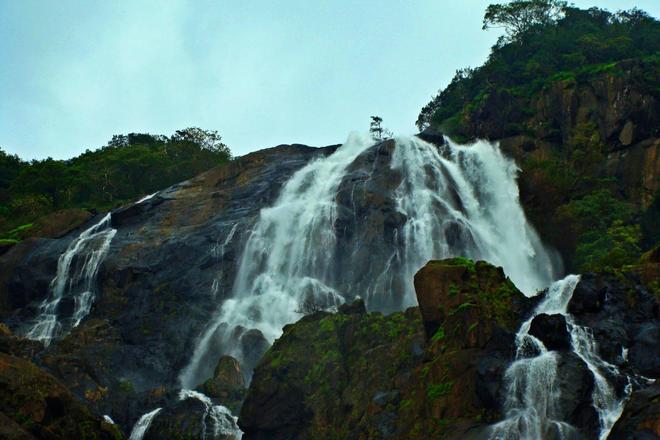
357 307
551 330
575 384
313 382
587 298
641 417
39 405
621 313
644 353
253 345
191 419
227 384
432 136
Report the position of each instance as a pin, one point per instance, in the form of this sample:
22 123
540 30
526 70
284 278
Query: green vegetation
435 391
605 237
546 41
129 166
552 52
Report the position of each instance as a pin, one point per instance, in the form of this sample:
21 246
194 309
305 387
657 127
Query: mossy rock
43 407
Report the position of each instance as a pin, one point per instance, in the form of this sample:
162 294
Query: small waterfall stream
532 394
74 281
222 422
455 200
142 425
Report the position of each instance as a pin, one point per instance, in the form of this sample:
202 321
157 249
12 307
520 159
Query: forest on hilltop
128 167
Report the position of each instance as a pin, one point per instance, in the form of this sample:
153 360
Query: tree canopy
128 167
520 16
546 40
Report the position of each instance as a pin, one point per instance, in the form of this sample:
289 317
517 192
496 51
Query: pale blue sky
73 73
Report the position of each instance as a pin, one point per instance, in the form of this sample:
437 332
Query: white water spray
142 425
223 423
457 200
532 394
76 274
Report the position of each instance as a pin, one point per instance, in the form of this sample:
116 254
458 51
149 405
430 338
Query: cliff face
155 290
577 136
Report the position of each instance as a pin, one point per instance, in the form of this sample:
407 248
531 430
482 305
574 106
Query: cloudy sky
262 73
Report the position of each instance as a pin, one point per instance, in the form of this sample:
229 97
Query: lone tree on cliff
519 16
376 129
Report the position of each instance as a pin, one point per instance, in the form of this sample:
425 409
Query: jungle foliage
128 167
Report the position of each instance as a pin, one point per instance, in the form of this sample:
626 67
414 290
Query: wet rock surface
34 404
641 418
452 383
170 264
364 375
551 330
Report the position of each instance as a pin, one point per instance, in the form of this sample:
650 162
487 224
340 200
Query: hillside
575 100
127 168
498 283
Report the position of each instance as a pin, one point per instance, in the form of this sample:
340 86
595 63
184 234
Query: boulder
644 353
227 384
191 418
337 376
432 136
552 331
469 299
641 417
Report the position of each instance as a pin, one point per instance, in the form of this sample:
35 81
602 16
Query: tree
375 128
207 139
519 16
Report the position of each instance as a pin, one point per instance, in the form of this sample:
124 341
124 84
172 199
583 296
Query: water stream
532 393
71 292
455 200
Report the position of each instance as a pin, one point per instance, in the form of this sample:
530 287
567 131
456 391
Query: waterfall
142 425
222 421
532 394
74 281
454 200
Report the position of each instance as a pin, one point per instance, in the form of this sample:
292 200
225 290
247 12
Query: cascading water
532 394
76 274
142 425
463 201
222 422
455 200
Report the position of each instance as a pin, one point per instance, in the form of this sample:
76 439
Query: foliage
520 16
129 166
605 239
617 247
376 129
547 42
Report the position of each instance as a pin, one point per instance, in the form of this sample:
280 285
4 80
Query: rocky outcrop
170 264
35 405
358 375
551 330
641 418
316 382
227 384
438 371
